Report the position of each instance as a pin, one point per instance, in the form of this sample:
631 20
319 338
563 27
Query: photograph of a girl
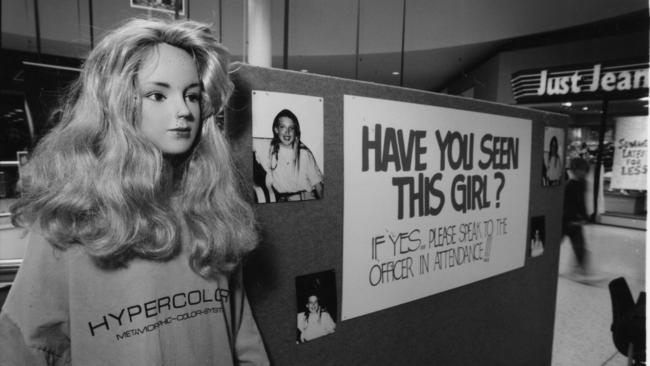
553 168
137 226
537 229
315 321
285 168
316 300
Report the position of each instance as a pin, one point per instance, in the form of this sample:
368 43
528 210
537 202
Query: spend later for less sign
630 167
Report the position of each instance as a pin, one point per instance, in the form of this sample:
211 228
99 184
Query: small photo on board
287 147
22 157
316 303
553 167
537 236
167 6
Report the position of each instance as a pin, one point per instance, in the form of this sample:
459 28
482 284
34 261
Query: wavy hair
95 180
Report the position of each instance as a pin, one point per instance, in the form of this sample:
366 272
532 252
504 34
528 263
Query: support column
599 159
259 32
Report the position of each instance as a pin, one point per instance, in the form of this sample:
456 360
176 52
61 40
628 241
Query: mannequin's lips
183 132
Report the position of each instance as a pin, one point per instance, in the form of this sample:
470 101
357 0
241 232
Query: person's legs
576 236
584 273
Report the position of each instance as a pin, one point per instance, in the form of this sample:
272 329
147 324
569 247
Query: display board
499 312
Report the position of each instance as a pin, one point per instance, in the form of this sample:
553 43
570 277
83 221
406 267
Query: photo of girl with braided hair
285 167
295 176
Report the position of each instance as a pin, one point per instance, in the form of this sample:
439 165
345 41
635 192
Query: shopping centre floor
584 313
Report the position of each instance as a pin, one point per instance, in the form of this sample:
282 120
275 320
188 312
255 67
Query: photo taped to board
553 159
316 305
288 158
537 235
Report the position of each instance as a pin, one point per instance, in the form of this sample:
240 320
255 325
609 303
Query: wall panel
503 320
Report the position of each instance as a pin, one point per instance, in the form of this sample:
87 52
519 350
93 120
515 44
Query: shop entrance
601 129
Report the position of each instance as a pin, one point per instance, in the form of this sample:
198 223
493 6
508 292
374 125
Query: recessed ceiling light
567 104
395 72
585 108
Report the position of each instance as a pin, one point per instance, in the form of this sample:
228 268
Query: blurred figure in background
575 216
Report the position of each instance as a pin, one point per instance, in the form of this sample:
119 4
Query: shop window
25 116
583 143
15 139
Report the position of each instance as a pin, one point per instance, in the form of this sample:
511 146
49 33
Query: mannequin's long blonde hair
95 181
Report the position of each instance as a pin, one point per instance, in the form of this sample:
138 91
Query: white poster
630 153
435 198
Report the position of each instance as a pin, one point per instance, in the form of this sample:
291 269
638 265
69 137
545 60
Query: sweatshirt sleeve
249 347
34 322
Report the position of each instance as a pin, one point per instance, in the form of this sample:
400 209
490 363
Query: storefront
598 75
609 105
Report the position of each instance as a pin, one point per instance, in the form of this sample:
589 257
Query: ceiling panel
448 23
18 26
233 26
206 12
319 27
67 26
442 37
380 27
329 27
432 69
109 14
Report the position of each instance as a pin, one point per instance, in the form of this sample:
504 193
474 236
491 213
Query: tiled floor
584 313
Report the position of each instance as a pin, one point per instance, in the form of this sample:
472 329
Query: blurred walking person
575 216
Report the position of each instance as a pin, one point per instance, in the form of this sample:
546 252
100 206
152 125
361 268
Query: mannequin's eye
155 96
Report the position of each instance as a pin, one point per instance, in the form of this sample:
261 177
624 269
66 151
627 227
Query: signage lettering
605 81
582 82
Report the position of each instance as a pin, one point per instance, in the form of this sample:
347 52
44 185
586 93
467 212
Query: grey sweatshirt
64 310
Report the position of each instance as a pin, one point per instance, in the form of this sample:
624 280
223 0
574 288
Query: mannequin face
171 99
286 131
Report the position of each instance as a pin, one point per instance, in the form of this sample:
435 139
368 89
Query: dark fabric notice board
503 320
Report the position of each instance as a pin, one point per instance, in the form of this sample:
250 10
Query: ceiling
440 39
